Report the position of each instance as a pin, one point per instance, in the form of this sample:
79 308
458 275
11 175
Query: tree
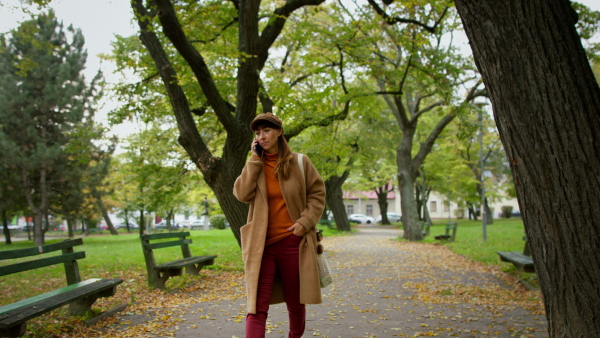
546 105
417 75
44 97
196 91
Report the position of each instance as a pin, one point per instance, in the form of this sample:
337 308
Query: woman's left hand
298 229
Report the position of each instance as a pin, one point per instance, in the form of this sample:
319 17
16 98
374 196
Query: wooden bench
159 274
522 261
425 228
448 237
519 260
80 295
95 231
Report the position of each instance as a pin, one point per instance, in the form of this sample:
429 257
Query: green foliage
506 211
588 25
47 108
218 221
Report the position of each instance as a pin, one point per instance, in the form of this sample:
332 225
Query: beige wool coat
305 201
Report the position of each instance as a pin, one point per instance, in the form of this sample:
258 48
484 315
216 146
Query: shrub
506 211
218 221
459 213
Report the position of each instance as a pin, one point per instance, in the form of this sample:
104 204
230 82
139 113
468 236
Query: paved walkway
385 288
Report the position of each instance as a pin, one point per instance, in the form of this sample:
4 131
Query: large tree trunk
382 193
408 204
105 215
335 200
547 108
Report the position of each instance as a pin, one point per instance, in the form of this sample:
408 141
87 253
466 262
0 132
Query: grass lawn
502 235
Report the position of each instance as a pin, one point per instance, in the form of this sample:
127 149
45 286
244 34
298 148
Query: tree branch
393 20
172 29
185 122
276 24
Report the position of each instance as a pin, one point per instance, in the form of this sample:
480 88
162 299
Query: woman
279 241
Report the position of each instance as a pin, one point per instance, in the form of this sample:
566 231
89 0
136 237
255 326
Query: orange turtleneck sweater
279 217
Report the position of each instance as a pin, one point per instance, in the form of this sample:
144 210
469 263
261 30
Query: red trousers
279 258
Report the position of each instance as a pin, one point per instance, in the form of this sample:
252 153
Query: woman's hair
284 153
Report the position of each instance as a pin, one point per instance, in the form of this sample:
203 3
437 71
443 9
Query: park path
382 288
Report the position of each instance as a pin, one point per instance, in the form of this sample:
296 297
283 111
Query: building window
350 209
433 206
446 206
369 210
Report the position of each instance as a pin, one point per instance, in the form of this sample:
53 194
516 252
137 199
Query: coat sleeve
315 196
244 188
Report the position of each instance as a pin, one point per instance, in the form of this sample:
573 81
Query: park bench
521 261
448 236
425 228
159 274
328 223
80 295
95 231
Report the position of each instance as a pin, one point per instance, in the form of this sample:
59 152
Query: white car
360 219
392 217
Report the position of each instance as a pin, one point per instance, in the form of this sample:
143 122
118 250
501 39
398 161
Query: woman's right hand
253 148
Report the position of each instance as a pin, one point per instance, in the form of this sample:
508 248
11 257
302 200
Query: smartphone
258 149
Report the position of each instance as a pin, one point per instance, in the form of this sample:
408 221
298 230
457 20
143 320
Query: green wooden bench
449 236
159 274
425 228
519 260
328 223
80 295
522 261
95 231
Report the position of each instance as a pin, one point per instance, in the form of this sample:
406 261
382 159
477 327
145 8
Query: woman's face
267 138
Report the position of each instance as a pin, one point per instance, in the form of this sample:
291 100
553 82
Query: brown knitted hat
266 117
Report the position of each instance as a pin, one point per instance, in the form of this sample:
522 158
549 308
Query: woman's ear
280 132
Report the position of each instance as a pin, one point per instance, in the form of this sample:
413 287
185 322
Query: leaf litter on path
382 288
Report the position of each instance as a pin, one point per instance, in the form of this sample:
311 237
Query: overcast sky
100 20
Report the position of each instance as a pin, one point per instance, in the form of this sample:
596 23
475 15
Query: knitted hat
266 117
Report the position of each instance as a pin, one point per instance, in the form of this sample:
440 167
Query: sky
99 21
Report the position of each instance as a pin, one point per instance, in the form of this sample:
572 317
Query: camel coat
305 201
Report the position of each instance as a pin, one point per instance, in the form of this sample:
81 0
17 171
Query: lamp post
480 106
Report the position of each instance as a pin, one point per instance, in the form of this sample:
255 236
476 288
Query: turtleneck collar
271 157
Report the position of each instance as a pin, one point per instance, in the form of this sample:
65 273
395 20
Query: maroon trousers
279 258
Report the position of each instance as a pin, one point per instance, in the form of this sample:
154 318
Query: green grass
502 235
108 256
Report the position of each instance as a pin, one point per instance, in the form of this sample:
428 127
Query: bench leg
15 331
163 276
83 305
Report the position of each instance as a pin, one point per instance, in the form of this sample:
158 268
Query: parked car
163 225
392 217
124 226
360 219
197 224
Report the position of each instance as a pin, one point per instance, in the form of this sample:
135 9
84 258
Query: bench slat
165 235
38 298
38 263
178 264
53 300
166 244
20 253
